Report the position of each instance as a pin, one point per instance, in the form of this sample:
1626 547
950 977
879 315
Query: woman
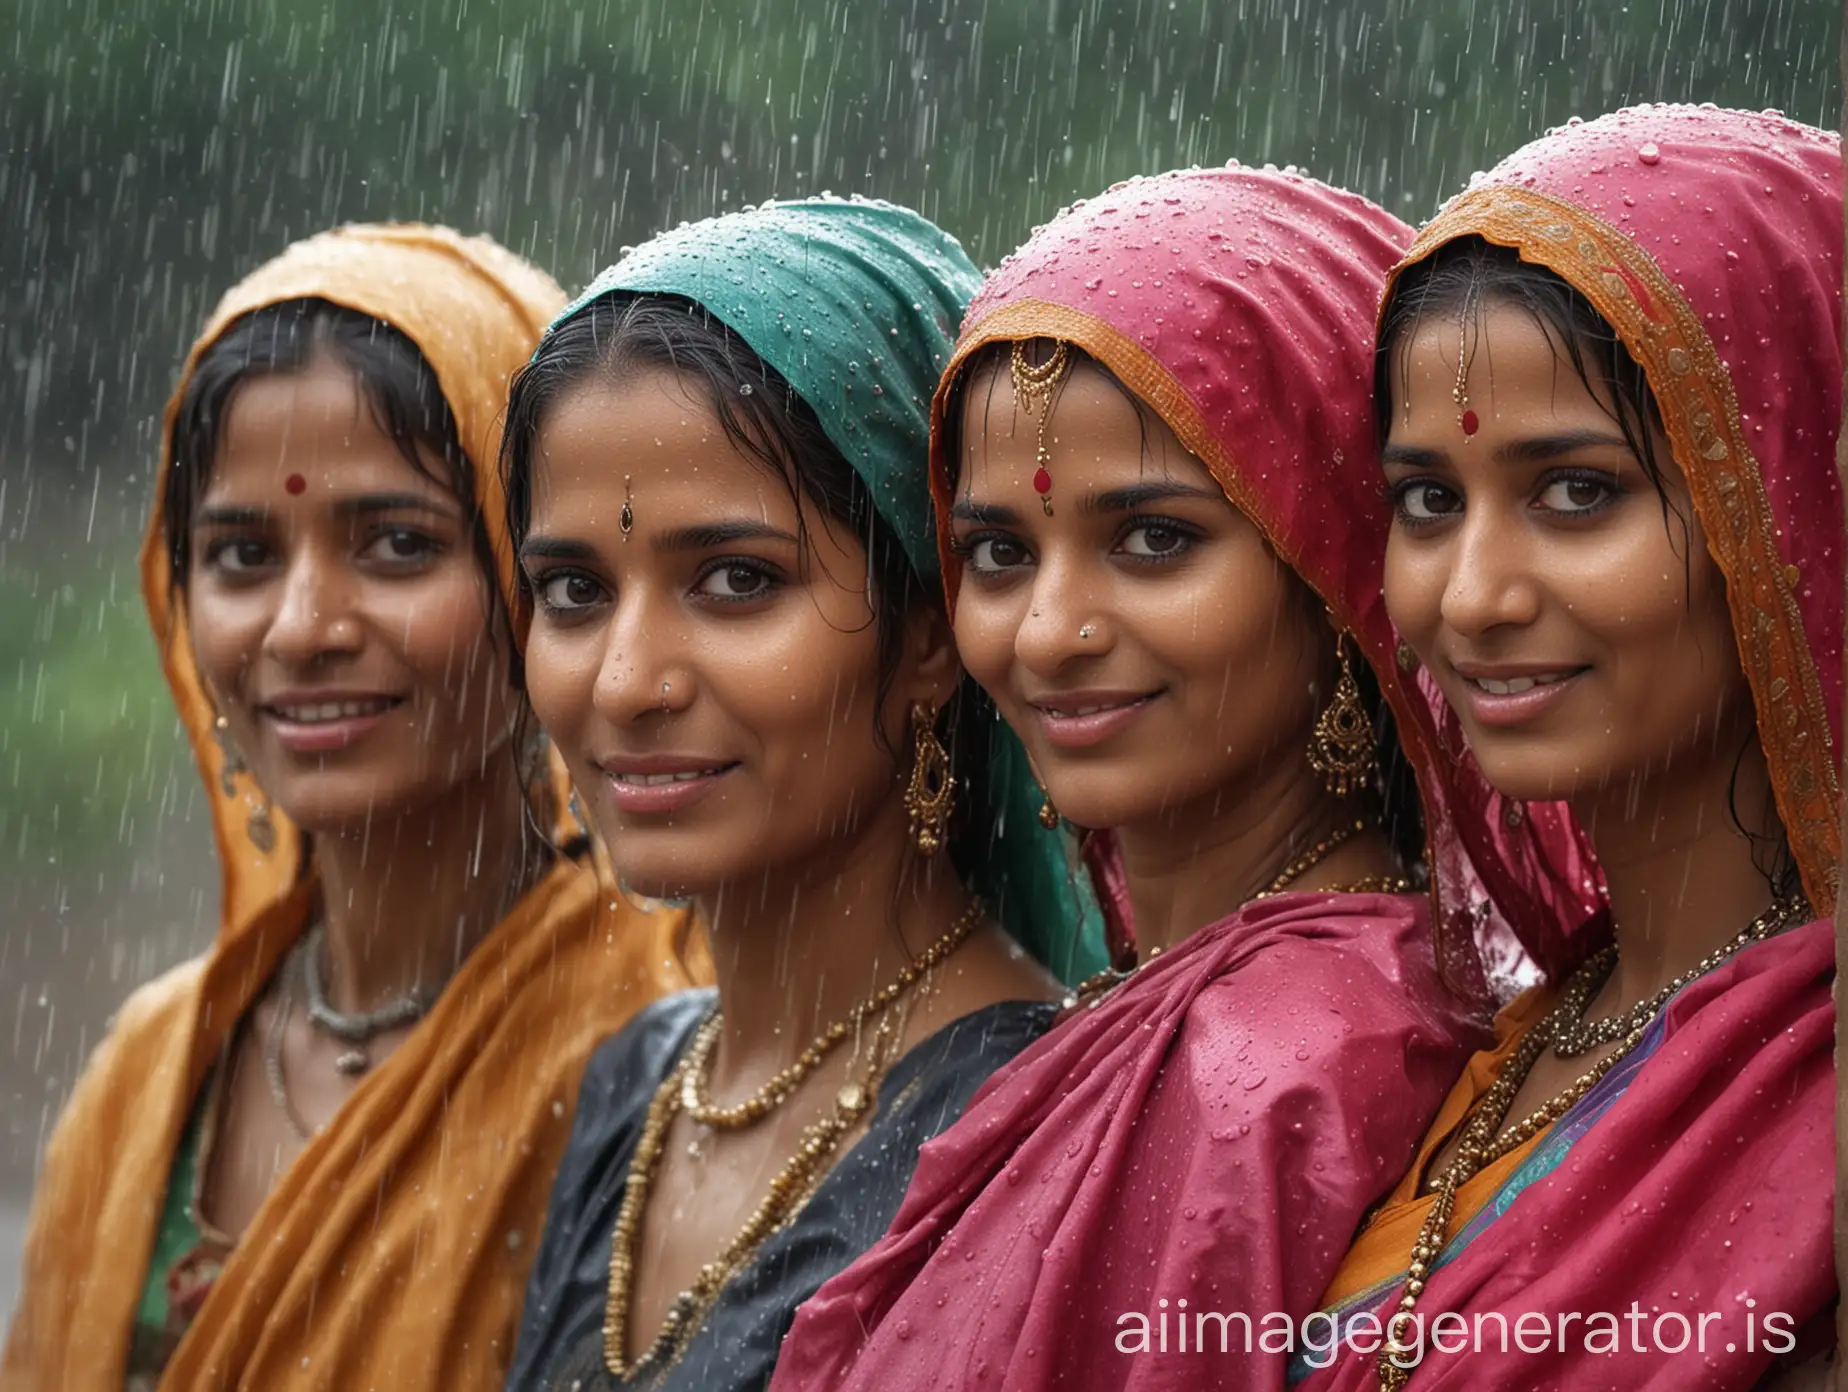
319 1155
1611 382
1152 465
715 467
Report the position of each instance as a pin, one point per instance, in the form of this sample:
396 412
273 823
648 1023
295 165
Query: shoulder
943 1072
638 1056
155 1004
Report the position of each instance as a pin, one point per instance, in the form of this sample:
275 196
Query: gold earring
933 786
1048 814
257 825
1343 748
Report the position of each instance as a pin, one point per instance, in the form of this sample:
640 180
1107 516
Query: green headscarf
856 303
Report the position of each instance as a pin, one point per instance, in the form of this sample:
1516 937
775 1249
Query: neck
797 949
1681 877
1193 865
406 899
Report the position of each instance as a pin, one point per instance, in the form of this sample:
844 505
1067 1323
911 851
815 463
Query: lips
1503 698
660 784
322 723
1084 719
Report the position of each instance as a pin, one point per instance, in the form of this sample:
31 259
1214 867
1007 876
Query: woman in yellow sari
319 1155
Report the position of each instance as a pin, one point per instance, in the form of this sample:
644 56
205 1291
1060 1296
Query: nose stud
1086 630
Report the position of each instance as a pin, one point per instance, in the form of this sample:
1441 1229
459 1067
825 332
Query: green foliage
89 745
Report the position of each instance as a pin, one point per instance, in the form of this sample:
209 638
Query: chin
330 803
1098 802
666 864
1533 770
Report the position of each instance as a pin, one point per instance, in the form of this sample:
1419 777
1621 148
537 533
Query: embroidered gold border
1138 370
1701 411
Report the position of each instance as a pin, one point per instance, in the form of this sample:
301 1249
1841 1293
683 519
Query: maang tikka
1466 418
1032 384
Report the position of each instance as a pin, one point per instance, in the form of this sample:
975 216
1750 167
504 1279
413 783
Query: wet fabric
1697 1179
393 1252
1214 1130
561 1338
1393 1228
854 302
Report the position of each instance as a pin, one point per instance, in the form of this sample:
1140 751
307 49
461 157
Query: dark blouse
561 1331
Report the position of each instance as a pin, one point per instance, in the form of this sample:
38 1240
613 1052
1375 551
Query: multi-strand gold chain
696 1101
788 1190
1484 1141
1111 977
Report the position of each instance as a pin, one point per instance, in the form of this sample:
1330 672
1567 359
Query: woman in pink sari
1163 548
1614 375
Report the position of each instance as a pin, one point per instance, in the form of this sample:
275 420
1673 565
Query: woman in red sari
1614 375
1163 545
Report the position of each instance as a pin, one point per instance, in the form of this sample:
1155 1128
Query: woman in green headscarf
717 489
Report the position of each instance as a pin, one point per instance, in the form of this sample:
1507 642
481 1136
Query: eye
238 555
990 555
735 580
1155 541
1576 493
568 592
1419 501
402 545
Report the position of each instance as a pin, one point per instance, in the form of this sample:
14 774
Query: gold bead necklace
789 1189
1483 1141
1111 977
695 1099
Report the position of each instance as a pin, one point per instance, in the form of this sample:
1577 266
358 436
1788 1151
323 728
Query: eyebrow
700 538
1142 494
231 517
1540 448
545 548
1111 500
1536 449
367 505
710 534
983 514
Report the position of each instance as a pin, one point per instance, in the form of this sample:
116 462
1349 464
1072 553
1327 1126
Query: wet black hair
398 383
762 415
1395 794
1465 276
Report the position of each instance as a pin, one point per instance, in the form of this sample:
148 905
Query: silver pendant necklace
357 1029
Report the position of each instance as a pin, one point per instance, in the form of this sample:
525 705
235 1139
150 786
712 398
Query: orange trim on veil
1700 410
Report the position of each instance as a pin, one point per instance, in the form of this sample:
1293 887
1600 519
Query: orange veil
393 1253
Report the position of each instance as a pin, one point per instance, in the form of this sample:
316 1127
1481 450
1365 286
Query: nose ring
1086 630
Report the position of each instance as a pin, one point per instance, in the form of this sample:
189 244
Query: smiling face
337 611
1144 641
1581 634
710 674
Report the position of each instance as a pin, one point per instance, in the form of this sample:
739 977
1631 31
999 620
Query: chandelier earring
932 789
1344 747
258 825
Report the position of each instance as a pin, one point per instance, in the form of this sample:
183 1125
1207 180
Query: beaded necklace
684 1090
1098 985
1483 1141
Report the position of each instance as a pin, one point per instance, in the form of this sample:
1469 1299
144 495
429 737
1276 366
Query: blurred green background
155 150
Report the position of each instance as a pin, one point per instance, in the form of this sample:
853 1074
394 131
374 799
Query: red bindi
296 484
